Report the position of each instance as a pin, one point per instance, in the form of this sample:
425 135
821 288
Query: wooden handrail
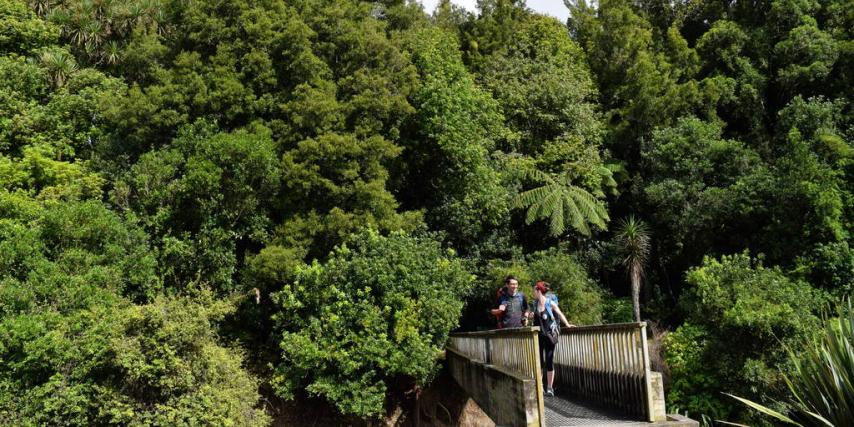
616 348
606 327
608 363
516 349
513 349
506 331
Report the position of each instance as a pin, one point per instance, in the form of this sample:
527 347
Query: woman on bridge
544 316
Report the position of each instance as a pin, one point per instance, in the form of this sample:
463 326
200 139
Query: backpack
499 317
551 330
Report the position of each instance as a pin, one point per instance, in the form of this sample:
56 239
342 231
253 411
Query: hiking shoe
550 392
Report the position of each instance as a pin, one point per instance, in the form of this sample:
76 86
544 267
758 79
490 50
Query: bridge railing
608 364
515 351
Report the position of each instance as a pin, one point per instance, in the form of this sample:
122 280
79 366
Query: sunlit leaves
562 204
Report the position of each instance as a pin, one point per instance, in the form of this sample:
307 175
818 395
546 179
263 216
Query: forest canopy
211 208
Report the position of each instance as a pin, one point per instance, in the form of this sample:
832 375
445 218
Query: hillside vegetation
209 208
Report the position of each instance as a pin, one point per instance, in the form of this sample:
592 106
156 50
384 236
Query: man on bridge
512 305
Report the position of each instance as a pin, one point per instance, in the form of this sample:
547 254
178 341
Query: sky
554 8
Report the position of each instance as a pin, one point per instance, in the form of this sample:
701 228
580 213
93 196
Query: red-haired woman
544 317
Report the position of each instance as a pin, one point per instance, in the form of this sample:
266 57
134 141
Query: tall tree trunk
636 283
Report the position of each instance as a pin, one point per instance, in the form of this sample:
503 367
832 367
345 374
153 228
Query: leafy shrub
580 298
822 381
75 351
200 198
738 313
376 314
617 310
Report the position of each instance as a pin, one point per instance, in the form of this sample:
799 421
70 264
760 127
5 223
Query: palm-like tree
41 7
60 65
112 52
633 243
562 203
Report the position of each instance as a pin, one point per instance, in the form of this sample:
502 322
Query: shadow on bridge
602 374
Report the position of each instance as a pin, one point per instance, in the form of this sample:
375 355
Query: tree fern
562 204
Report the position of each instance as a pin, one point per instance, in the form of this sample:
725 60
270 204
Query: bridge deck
562 411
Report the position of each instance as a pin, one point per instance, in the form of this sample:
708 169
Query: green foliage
822 381
694 386
580 297
830 266
644 78
617 310
457 128
491 30
47 245
201 197
734 80
809 54
562 204
376 313
701 188
48 179
22 31
108 362
632 239
337 185
738 313
64 121
545 89
237 140
74 348
98 31
813 175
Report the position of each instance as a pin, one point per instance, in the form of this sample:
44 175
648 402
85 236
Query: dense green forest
209 209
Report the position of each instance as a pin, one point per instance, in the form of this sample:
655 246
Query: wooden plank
647 376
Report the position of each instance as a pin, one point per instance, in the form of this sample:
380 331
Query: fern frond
556 225
562 203
579 222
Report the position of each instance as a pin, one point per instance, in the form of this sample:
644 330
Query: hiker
512 305
551 296
544 312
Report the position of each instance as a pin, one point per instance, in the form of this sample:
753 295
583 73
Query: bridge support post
538 377
647 377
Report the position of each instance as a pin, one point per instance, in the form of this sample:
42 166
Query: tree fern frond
549 206
528 198
562 203
556 224
579 222
591 208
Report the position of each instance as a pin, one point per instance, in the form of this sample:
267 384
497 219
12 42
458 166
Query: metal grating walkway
562 412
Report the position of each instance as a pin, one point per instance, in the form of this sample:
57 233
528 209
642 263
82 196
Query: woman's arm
560 314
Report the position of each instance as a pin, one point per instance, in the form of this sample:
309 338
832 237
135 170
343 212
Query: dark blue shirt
514 307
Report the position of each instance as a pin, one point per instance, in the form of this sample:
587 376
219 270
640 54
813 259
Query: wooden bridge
602 377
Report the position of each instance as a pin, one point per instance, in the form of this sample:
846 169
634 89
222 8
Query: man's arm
502 306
